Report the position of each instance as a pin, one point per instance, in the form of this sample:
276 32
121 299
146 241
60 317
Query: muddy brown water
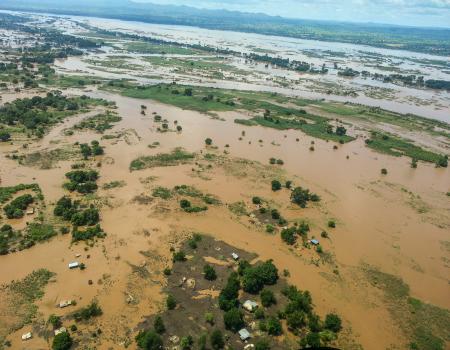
377 222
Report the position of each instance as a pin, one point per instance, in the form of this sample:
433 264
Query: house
27 336
30 211
314 241
235 256
244 334
60 330
250 305
65 303
74 265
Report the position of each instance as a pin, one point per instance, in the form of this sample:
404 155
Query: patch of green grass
99 122
151 48
176 157
424 324
238 208
395 146
40 232
19 297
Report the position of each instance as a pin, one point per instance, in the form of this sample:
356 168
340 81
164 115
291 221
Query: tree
158 325
55 321
267 298
171 302
208 141
274 326
289 235
210 273
256 200
276 185
233 319
4 136
296 320
312 340
62 341
186 342
216 339
184 203
331 223
179 256
149 340
300 196
341 131
384 171
333 323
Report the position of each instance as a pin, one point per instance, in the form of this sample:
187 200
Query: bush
384 171
216 339
276 185
289 235
301 196
62 341
179 256
254 278
233 319
55 321
86 313
167 271
158 325
208 141
312 340
273 326
184 204
4 136
149 340
267 298
296 320
229 294
210 273
171 303
331 223
333 323
209 318
186 342
256 200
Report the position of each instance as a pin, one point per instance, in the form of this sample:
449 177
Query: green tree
267 298
55 321
262 344
333 323
62 341
208 141
274 326
296 320
312 340
158 325
276 185
4 136
171 303
233 319
210 273
216 339
149 340
186 342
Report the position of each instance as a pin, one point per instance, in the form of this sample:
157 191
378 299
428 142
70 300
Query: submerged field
338 211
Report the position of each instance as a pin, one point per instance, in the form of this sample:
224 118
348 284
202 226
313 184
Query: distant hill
428 40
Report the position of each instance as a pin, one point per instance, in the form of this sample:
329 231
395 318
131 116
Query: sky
404 12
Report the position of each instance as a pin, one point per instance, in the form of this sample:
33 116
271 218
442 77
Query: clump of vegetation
113 184
62 341
99 122
189 208
82 181
149 340
276 185
94 149
301 196
176 157
88 312
15 209
209 272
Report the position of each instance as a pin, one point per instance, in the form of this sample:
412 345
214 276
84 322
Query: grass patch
176 157
19 298
394 146
6 193
114 184
424 324
99 123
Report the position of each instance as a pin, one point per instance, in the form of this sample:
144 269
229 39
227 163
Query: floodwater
397 223
376 222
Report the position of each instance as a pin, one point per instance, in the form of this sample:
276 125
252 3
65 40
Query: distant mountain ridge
428 40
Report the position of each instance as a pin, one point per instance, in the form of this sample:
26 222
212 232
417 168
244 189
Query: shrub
179 256
276 185
256 200
186 342
312 340
301 196
331 223
208 141
167 271
254 278
216 339
384 171
289 235
296 320
55 321
270 228
288 184
233 319
149 340
275 214
210 273
184 204
209 318
62 341
171 303
4 136
267 298
158 325
273 326
333 323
